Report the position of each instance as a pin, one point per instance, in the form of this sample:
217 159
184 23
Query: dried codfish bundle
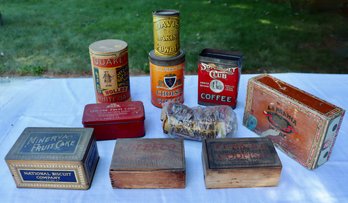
198 123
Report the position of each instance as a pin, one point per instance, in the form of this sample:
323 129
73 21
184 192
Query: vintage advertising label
63 158
51 143
111 77
40 175
116 111
240 153
167 83
302 125
166 35
217 84
284 124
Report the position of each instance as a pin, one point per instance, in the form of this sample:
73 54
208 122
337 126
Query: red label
217 84
110 61
111 77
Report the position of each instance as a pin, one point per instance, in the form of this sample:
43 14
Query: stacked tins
167 60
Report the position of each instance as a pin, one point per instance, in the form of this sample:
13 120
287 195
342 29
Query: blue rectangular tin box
60 158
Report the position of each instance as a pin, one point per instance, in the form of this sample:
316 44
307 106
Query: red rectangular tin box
300 124
218 77
115 120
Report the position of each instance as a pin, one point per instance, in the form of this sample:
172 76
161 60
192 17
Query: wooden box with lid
305 127
148 163
240 162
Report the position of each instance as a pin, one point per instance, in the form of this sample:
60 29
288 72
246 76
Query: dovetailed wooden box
148 163
300 124
240 162
59 158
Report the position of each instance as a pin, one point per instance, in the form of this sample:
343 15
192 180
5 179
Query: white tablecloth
39 102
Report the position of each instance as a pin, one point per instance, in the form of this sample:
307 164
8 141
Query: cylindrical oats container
166 30
167 78
109 60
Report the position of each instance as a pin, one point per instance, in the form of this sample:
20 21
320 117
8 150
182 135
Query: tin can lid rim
166 12
221 54
154 57
108 46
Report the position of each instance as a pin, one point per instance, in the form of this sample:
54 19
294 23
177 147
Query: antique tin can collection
109 60
148 163
240 162
166 30
59 158
302 125
167 78
218 77
115 120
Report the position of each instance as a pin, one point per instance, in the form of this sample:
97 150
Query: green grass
52 37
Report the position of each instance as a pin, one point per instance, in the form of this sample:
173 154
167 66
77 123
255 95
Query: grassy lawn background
52 37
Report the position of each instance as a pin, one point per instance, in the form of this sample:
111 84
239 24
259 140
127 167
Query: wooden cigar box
303 126
148 163
240 162
59 158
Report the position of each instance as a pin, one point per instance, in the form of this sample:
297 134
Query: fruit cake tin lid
111 113
51 144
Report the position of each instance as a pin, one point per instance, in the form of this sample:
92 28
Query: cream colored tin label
107 80
166 35
111 77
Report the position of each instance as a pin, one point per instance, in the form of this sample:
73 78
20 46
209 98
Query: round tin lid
166 61
166 12
108 46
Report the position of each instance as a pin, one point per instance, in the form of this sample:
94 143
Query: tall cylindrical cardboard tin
167 78
109 60
166 30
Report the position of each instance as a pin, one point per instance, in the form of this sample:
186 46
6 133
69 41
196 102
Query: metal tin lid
166 12
167 61
51 144
221 54
113 113
108 46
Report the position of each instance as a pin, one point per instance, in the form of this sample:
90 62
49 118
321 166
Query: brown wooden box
300 124
240 162
148 163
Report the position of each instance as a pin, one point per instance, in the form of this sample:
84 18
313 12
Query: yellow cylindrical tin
166 31
109 60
